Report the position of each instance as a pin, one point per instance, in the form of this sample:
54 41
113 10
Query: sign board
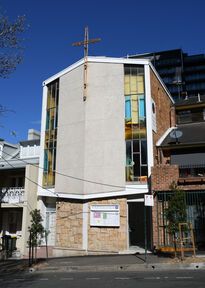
105 215
148 200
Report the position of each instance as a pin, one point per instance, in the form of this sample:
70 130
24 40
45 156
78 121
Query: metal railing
195 214
13 195
192 171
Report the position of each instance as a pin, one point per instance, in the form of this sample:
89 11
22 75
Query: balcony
29 151
191 174
13 195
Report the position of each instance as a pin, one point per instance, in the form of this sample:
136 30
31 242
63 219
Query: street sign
148 200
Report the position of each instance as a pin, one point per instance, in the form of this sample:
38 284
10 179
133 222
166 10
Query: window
51 134
191 116
135 123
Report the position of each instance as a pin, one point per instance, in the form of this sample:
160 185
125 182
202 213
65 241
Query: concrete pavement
108 263
112 263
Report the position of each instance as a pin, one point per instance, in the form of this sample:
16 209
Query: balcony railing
192 173
13 195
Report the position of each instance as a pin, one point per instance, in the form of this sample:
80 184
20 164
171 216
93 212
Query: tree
175 213
36 231
10 44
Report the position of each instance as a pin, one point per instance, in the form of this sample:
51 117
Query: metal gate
195 208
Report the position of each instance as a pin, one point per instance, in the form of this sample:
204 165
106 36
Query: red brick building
180 158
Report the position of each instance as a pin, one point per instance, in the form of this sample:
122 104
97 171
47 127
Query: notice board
105 215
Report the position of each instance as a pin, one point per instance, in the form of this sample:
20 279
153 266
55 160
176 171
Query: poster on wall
105 215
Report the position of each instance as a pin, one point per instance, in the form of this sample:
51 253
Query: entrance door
136 223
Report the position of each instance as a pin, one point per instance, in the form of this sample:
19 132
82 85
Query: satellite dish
176 134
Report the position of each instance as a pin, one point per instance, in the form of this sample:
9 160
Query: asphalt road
155 279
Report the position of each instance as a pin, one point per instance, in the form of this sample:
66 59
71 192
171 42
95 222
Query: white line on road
92 278
64 279
122 278
19 279
152 278
184 277
43 279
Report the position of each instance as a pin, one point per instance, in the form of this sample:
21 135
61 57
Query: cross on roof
86 42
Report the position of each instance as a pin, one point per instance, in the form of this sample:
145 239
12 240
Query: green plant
175 212
36 231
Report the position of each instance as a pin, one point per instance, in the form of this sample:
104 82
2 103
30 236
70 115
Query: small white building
18 189
97 152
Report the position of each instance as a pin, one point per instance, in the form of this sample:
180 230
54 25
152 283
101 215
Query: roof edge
97 59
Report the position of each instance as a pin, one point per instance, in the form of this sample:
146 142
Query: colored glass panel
141 107
128 115
135 124
51 134
140 84
127 85
135 118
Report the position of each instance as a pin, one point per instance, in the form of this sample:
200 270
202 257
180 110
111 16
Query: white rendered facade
91 147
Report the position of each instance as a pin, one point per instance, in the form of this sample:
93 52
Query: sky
125 27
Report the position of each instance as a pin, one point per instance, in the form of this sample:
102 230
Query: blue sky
125 27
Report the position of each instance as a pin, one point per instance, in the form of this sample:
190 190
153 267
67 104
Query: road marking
64 279
43 279
92 278
19 279
152 278
122 278
184 277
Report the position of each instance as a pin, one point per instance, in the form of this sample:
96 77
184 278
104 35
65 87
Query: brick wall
109 239
163 176
164 116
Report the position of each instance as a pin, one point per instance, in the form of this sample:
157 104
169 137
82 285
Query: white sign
148 200
105 215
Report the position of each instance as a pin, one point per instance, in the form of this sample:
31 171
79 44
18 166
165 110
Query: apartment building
181 158
18 190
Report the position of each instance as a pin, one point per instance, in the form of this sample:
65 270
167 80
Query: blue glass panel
142 107
127 108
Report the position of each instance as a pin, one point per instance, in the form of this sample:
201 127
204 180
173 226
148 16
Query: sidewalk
108 263
119 263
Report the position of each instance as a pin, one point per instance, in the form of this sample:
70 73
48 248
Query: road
155 279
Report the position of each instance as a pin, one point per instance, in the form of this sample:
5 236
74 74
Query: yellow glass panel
127 84
48 97
52 102
135 118
140 84
133 84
